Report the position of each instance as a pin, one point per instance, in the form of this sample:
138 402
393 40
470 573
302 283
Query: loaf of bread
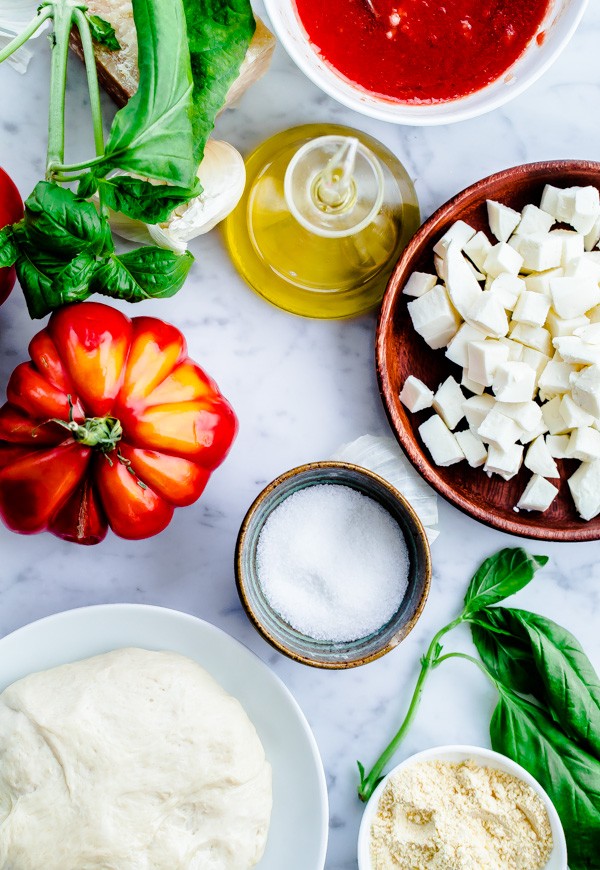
118 70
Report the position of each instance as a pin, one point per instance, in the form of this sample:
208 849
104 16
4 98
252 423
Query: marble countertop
301 388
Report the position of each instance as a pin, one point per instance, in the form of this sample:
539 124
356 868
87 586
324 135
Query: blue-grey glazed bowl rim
272 627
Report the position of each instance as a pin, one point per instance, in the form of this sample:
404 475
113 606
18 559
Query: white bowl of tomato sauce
424 62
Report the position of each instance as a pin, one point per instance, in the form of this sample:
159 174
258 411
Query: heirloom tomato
109 424
11 211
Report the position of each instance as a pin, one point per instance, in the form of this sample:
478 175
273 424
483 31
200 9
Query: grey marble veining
300 389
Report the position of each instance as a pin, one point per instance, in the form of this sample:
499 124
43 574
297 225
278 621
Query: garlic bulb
15 15
222 175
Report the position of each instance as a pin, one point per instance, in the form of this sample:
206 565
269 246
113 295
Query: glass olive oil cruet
326 213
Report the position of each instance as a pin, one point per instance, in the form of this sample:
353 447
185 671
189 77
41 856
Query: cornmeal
459 817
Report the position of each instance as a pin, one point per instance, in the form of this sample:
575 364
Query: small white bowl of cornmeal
460 807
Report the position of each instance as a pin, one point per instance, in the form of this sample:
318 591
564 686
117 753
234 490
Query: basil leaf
8 248
103 32
73 283
569 774
219 33
36 272
152 134
535 656
58 221
146 273
140 200
503 574
88 185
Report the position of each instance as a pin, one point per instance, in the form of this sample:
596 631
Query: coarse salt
333 563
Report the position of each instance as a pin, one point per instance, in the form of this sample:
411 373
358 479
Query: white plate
485 758
299 824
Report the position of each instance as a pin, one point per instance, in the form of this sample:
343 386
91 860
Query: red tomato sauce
421 51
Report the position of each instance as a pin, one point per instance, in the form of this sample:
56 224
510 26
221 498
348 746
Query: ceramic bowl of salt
332 565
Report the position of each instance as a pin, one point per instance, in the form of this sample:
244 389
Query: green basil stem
429 661
92 79
63 17
22 38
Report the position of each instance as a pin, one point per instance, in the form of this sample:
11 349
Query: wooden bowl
402 352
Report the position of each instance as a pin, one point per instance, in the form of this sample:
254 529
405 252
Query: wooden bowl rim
406 440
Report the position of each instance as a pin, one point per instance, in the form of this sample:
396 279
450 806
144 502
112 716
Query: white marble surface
300 389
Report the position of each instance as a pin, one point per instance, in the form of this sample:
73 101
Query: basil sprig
548 713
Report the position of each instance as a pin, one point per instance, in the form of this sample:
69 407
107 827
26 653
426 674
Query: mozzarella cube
539 251
572 297
584 444
538 495
589 334
460 232
507 289
419 283
536 360
514 382
535 337
440 441
587 209
440 267
461 284
473 448
539 459
574 350
527 415
505 462
499 430
433 317
531 435
477 408
502 220
488 315
416 395
583 267
593 237
515 350
555 379
470 385
558 445
559 327
585 389
534 220
502 258
574 416
484 359
478 248
551 197
553 419
458 349
448 402
572 245
585 489
531 308
539 282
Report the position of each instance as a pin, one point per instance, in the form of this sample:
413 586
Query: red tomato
11 211
109 424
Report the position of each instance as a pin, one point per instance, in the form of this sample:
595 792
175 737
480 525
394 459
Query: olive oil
317 238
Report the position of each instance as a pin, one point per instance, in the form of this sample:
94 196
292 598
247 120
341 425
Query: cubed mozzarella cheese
584 444
559 327
531 308
458 349
499 430
536 359
575 350
528 437
460 232
527 415
419 283
505 462
585 489
582 267
555 379
507 289
539 459
473 448
535 337
593 237
477 408
585 389
514 382
574 416
538 495
433 317
550 201
553 419
502 258
502 220
488 315
448 402
572 245
558 445
515 350
461 284
589 334
572 297
484 359
539 282
478 248
586 210
534 220
440 441
538 251
470 385
416 395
